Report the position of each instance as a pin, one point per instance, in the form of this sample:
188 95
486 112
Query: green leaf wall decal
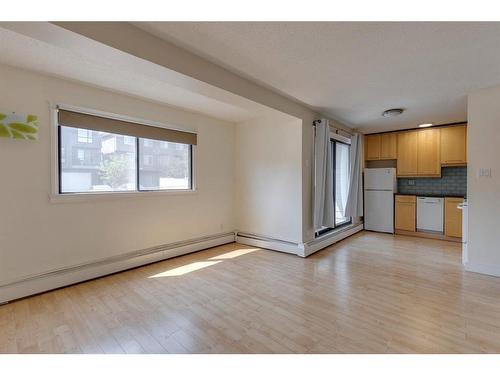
18 126
4 132
23 128
31 118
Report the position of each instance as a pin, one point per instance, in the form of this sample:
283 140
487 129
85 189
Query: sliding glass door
341 173
341 153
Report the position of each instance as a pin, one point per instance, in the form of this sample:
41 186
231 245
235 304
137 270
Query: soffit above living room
49 49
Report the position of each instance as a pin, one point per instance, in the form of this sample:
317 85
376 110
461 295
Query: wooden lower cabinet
452 217
405 212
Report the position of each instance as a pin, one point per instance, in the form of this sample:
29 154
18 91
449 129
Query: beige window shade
91 122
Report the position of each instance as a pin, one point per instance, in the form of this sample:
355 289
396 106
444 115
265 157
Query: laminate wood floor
371 293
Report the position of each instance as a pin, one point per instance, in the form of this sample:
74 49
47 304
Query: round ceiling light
392 112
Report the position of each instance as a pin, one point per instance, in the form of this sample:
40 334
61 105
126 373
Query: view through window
342 152
341 161
164 167
96 161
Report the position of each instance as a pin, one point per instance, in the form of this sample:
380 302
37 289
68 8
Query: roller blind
97 123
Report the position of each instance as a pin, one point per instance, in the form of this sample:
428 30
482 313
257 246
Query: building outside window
148 160
129 140
84 136
106 162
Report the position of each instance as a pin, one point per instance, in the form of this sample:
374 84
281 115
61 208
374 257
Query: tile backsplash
453 182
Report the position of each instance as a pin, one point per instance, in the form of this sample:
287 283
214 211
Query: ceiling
51 50
354 71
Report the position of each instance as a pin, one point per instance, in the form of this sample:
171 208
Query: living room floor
371 293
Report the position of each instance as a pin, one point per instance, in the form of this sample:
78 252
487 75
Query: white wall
134 41
268 175
37 235
483 194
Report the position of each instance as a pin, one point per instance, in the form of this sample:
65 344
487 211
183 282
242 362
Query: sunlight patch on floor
195 266
235 253
182 270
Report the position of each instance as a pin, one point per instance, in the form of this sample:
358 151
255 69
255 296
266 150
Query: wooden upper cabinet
407 153
429 152
372 147
454 145
380 146
420 153
452 217
388 146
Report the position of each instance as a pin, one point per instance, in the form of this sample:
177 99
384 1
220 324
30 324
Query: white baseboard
485 269
267 243
329 239
300 249
34 284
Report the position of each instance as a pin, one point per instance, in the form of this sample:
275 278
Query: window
100 167
81 155
342 152
113 162
341 160
172 169
148 159
84 136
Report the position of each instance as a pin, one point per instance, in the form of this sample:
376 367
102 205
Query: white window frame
56 197
341 138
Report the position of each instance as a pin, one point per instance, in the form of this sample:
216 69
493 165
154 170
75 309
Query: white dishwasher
430 212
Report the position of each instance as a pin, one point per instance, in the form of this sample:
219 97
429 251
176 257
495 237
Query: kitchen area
415 182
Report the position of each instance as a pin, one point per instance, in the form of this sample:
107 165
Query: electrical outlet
411 182
484 172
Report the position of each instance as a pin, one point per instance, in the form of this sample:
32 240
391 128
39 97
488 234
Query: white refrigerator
380 187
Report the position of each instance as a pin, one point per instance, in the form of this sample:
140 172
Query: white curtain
354 205
324 206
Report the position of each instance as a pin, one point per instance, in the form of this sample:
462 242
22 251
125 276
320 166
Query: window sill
92 197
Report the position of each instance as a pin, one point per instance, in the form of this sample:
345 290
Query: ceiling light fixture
392 112
425 125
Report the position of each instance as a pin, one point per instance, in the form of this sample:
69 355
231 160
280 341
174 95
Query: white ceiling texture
354 71
52 50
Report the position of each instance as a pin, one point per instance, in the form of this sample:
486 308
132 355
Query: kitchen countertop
433 195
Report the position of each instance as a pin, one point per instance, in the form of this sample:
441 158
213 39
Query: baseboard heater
53 279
